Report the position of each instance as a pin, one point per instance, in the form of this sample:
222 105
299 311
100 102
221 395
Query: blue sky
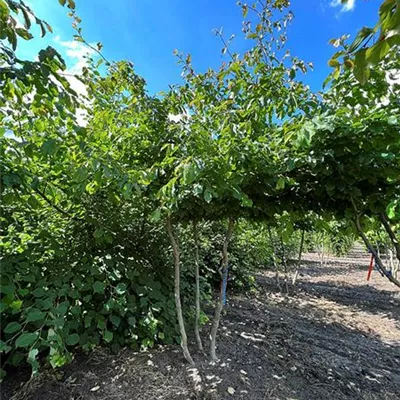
147 31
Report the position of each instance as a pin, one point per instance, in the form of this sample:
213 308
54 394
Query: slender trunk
219 305
391 234
274 258
387 253
197 277
391 263
371 248
284 266
322 252
395 269
178 304
378 249
299 259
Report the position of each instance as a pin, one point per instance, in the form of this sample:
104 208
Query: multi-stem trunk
274 258
178 304
391 234
299 259
219 305
197 278
371 248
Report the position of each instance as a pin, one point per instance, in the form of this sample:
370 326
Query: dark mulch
333 337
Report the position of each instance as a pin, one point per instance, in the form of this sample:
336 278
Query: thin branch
378 260
51 204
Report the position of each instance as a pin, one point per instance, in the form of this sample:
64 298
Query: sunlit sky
146 32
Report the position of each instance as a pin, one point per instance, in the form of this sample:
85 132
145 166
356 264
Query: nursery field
333 337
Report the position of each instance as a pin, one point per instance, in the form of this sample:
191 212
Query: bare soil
334 336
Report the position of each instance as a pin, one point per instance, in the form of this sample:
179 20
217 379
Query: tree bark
197 278
284 266
299 259
322 251
391 234
178 304
219 305
274 258
372 250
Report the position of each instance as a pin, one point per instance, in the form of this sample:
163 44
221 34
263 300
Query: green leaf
49 147
108 336
361 36
377 52
72 339
39 292
120 288
333 62
115 320
391 209
7 289
71 4
98 287
23 33
16 305
155 215
33 202
189 173
34 315
52 335
76 310
4 348
246 201
80 175
361 69
280 184
33 352
3 374
26 339
207 195
62 308
12 327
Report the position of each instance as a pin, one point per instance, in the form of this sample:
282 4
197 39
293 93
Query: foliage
360 55
85 255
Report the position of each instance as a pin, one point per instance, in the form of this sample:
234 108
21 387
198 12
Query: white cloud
76 54
348 6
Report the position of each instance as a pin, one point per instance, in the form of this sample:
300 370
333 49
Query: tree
360 55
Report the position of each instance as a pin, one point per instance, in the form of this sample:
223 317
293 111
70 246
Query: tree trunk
284 266
322 252
197 277
219 305
395 268
178 304
373 251
391 263
391 234
378 249
299 259
274 258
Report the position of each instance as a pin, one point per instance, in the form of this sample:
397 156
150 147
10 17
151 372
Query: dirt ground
335 336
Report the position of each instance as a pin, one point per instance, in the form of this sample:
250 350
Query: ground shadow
269 347
272 346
